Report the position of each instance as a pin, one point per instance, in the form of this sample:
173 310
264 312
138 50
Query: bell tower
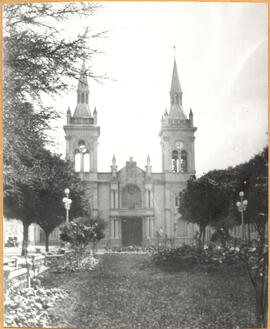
82 131
177 134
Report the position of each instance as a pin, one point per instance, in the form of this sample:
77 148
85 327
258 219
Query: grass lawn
125 291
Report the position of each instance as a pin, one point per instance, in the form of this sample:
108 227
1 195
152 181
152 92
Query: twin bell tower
136 203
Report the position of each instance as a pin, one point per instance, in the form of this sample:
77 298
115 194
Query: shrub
254 256
181 257
79 233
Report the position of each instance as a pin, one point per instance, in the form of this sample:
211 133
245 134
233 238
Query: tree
81 231
98 225
38 60
22 205
36 54
54 175
210 200
253 181
204 202
40 200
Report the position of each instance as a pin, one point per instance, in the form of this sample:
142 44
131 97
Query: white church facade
138 205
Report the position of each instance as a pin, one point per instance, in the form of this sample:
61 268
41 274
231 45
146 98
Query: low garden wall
18 272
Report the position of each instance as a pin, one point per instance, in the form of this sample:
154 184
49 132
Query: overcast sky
221 52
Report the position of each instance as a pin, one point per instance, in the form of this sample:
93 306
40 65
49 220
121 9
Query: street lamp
67 202
242 206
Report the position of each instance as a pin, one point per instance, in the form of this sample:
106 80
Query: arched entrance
132 233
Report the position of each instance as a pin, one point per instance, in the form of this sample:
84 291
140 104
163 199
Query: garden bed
27 306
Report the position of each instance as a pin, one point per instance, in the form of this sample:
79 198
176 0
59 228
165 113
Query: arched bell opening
82 158
184 163
175 161
77 160
86 161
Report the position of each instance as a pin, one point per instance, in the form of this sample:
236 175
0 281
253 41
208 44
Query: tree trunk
47 241
25 239
203 235
94 247
262 235
260 316
249 233
200 238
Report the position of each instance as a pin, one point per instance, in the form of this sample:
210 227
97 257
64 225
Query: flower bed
29 307
72 262
213 255
130 249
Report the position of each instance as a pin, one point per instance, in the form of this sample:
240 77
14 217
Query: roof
177 112
175 85
82 111
83 81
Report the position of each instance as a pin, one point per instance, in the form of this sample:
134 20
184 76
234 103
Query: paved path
125 292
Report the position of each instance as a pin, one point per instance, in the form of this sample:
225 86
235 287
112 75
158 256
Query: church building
139 206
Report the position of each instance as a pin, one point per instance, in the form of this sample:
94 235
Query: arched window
177 99
86 162
175 161
82 97
77 159
131 197
172 99
184 166
78 98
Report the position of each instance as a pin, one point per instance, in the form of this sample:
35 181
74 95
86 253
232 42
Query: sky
221 53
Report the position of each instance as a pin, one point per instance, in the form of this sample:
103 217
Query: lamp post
242 205
67 202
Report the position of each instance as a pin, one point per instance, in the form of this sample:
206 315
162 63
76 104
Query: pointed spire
82 109
191 117
176 109
175 85
148 166
68 115
83 81
114 167
95 116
